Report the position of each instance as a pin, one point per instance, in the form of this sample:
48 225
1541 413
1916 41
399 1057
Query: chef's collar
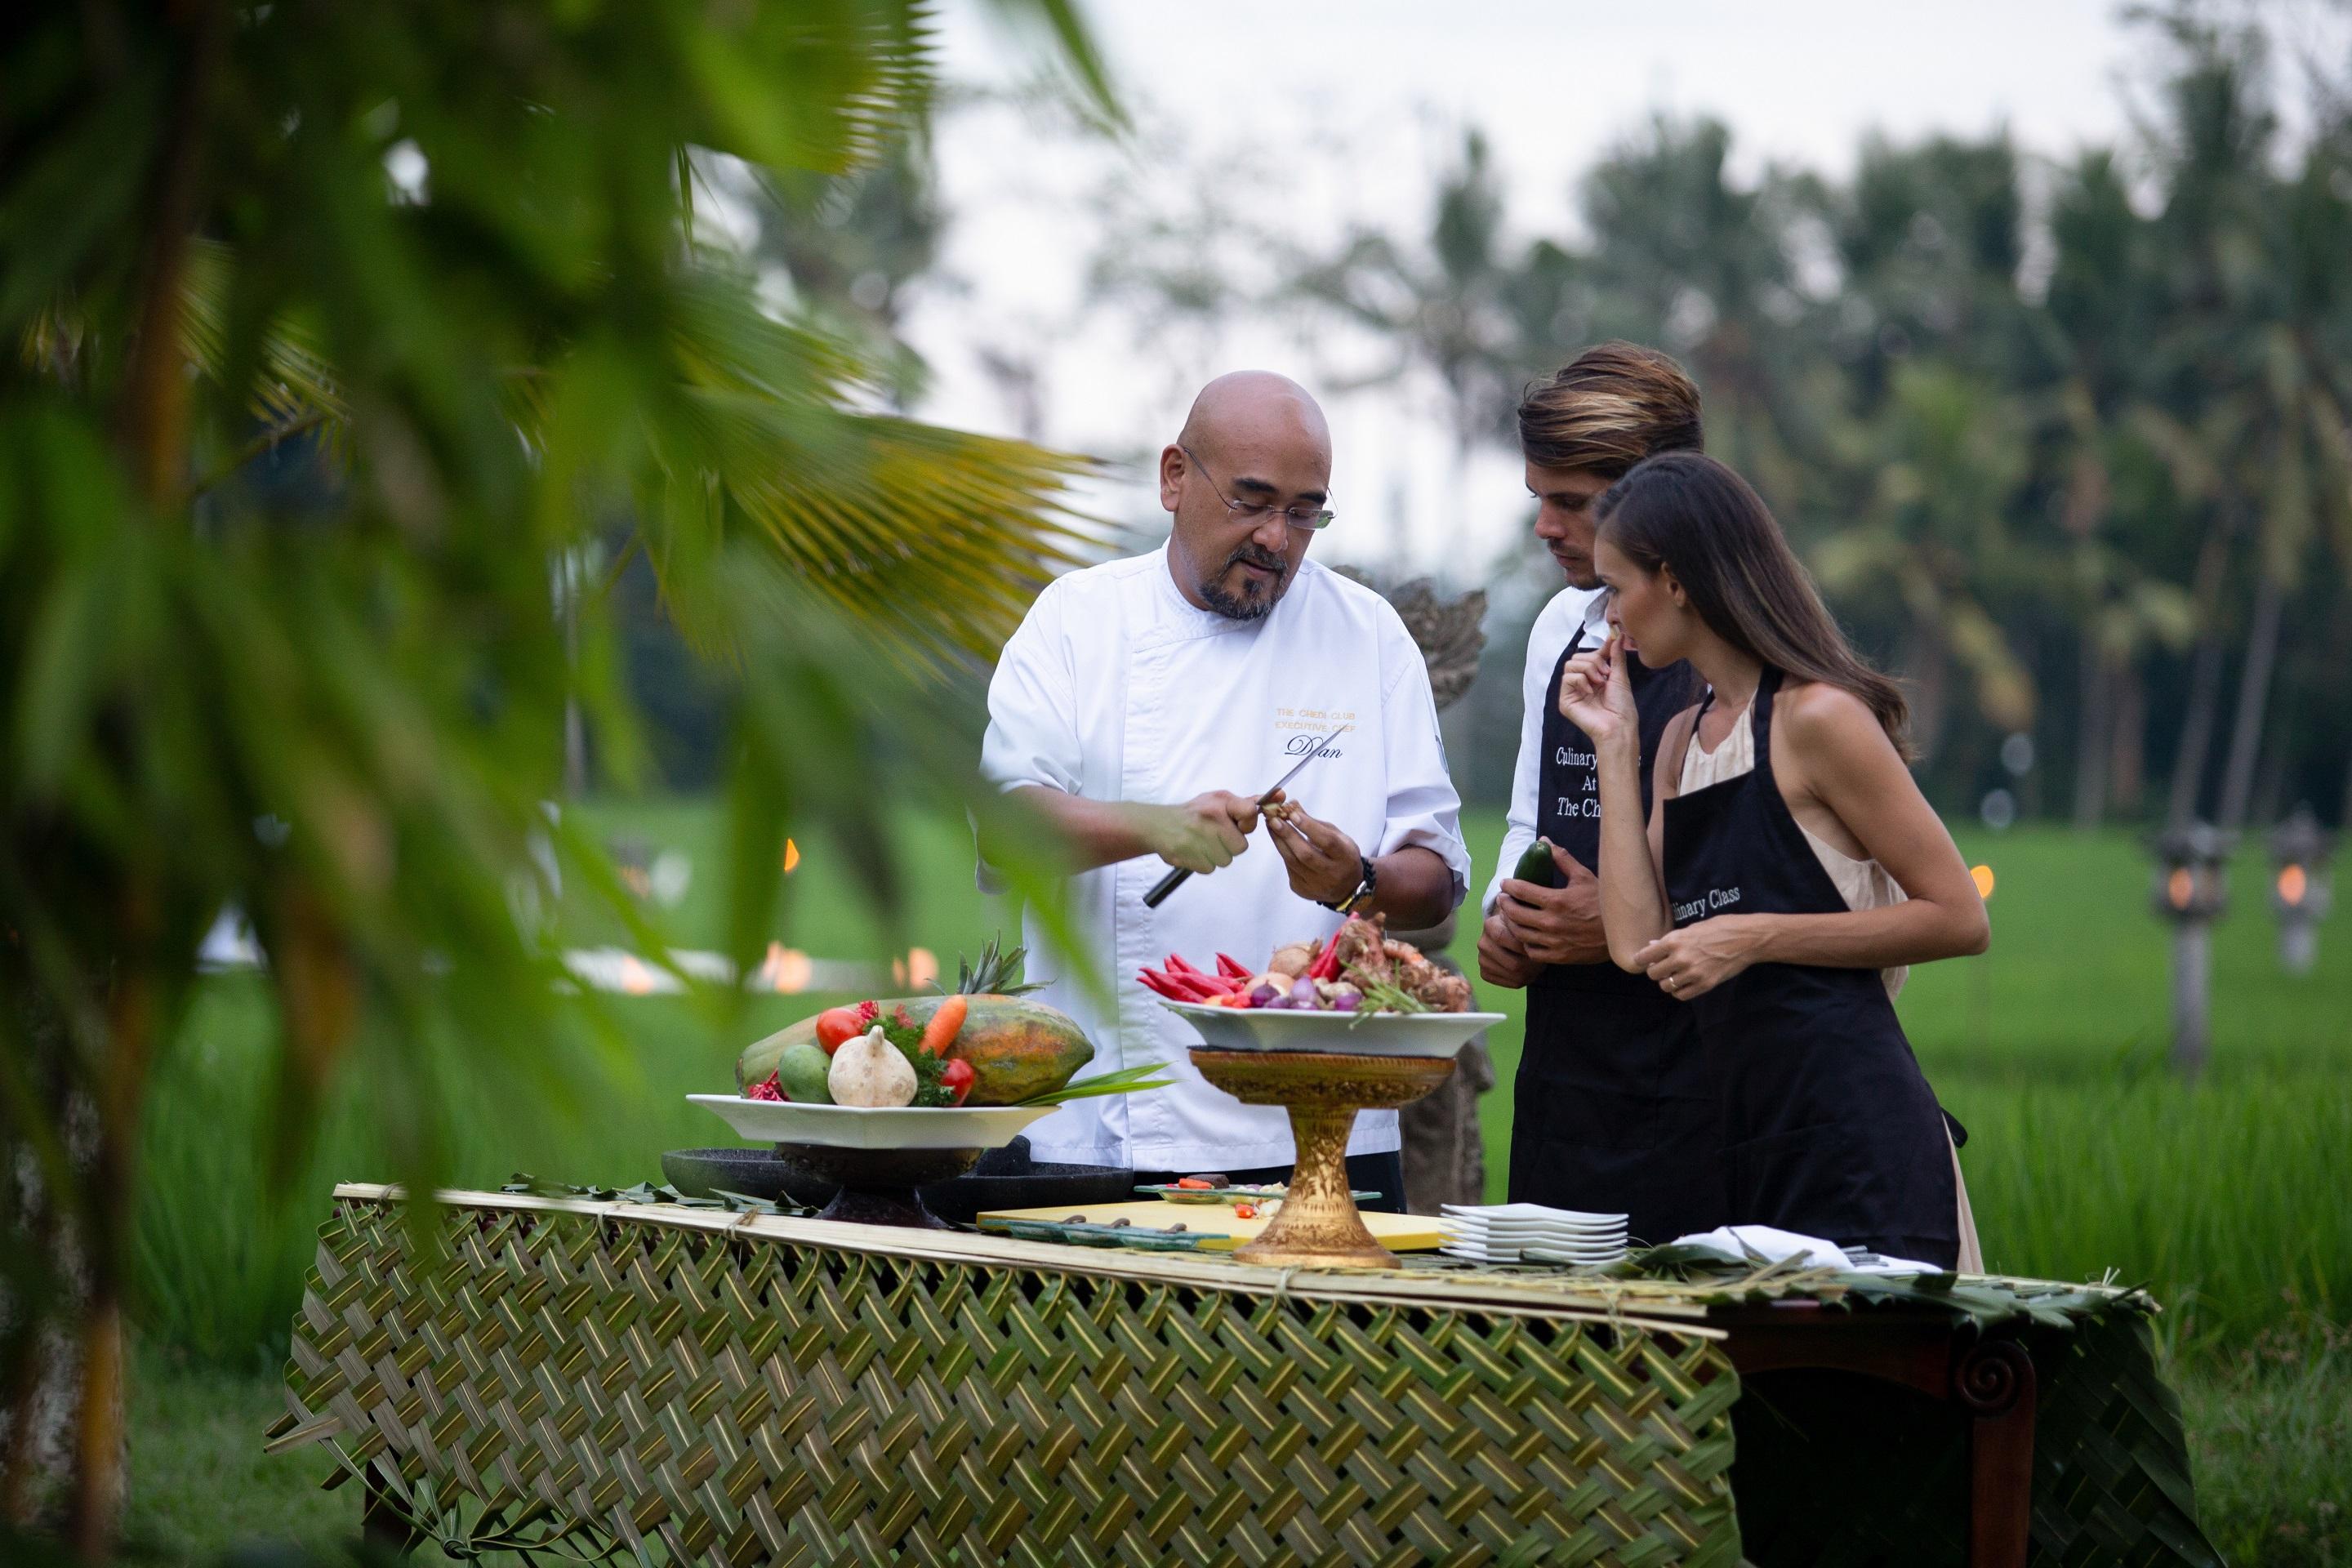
1596 613
1191 615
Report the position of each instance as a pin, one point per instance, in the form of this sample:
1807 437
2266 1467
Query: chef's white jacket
1115 687
1556 625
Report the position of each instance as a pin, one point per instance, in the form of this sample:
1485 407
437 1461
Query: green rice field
2088 1157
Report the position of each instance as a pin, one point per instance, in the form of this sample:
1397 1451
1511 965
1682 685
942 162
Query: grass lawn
2227 1196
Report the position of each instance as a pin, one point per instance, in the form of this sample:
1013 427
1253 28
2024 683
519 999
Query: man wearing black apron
1611 1109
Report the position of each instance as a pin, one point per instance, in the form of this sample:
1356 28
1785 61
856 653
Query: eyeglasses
1256 512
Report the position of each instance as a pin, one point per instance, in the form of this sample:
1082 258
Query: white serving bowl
872 1127
1301 1029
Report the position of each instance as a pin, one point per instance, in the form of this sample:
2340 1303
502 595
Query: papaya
1016 1047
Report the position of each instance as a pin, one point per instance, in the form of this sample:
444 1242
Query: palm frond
933 539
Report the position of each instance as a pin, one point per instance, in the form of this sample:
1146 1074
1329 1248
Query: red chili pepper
1327 964
1232 968
1161 983
1198 987
1176 965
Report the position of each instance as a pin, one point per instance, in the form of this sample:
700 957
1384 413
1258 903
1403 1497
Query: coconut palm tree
1946 457
1438 300
1685 258
2114 451
329 328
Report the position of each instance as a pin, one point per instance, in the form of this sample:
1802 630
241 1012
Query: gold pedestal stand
1322 1091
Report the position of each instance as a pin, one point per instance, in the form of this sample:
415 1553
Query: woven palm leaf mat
687 1387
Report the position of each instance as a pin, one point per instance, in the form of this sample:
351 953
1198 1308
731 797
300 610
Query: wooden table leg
1992 1380
1994 1383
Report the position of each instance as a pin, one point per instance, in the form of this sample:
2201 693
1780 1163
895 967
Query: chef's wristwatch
1365 888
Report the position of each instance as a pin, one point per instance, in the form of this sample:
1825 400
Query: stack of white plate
1531 1233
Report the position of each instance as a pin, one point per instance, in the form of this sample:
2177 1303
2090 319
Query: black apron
1829 1127
1611 1110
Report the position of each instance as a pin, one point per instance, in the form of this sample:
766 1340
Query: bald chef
1142 708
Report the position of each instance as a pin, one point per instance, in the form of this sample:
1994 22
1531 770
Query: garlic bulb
870 1071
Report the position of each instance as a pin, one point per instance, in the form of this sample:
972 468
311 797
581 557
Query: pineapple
993 974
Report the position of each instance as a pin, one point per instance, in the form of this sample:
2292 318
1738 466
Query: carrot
941 1031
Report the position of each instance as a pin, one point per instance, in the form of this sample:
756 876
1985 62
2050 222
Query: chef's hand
1596 695
1557 925
1205 832
1696 959
1501 960
1325 863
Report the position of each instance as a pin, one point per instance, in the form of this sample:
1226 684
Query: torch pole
2192 981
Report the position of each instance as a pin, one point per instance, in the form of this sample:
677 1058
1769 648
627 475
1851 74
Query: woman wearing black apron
1611 1109
1720 894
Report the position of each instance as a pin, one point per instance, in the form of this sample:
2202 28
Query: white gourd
871 1071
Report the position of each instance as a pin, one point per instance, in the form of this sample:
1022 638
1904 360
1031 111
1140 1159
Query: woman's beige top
1864 884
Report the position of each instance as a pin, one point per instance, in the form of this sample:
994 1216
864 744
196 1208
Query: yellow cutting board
1397 1232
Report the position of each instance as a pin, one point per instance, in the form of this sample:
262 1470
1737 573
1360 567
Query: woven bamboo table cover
687 1387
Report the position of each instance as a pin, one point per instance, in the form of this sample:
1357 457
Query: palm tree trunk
48 1276
152 414
2270 777
1930 670
2127 751
575 723
2254 696
2091 736
2204 683
101 1448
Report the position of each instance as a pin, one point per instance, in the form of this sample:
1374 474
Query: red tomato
835 1027
956 1076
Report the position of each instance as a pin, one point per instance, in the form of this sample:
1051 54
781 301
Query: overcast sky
1318 112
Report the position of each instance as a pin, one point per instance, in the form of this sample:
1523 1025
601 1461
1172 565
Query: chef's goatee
1255 598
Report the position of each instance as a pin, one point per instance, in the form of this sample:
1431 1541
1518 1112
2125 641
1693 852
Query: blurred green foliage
2068 443
346 353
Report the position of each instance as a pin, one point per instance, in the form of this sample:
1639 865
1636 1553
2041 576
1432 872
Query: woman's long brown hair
1689 512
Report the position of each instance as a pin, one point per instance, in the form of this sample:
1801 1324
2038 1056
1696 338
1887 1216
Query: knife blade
1175 878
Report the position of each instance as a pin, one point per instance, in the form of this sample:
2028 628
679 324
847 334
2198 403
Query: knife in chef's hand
1175 878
